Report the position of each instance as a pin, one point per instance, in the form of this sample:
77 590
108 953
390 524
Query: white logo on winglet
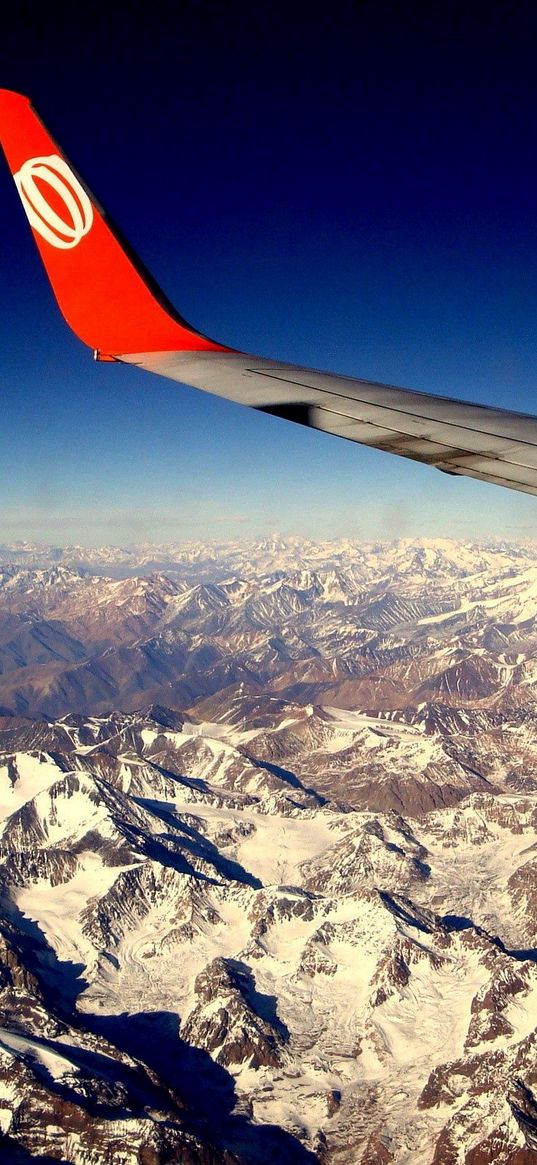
54 172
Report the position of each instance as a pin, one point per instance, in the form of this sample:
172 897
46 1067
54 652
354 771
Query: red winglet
102 289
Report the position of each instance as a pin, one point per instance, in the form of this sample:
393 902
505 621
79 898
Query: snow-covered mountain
205 958
251 557
283 905
376 628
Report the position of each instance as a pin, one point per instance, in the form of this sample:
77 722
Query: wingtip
102 288
10 96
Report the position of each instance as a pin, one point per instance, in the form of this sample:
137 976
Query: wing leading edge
112 303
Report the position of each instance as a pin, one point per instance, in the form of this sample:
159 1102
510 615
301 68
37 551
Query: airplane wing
113 304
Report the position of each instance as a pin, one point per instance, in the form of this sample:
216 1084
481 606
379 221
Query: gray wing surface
493 445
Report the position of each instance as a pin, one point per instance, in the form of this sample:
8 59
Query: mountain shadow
206 1087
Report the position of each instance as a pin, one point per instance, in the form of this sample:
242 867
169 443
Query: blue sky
356 195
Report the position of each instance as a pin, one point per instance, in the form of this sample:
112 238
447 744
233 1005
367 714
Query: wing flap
461 439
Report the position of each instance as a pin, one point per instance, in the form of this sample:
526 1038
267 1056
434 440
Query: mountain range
268 856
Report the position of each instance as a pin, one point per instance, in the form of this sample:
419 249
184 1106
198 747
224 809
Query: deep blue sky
355 191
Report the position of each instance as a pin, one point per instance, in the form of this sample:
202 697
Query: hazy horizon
289 539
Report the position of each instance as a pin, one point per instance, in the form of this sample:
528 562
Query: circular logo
64 229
